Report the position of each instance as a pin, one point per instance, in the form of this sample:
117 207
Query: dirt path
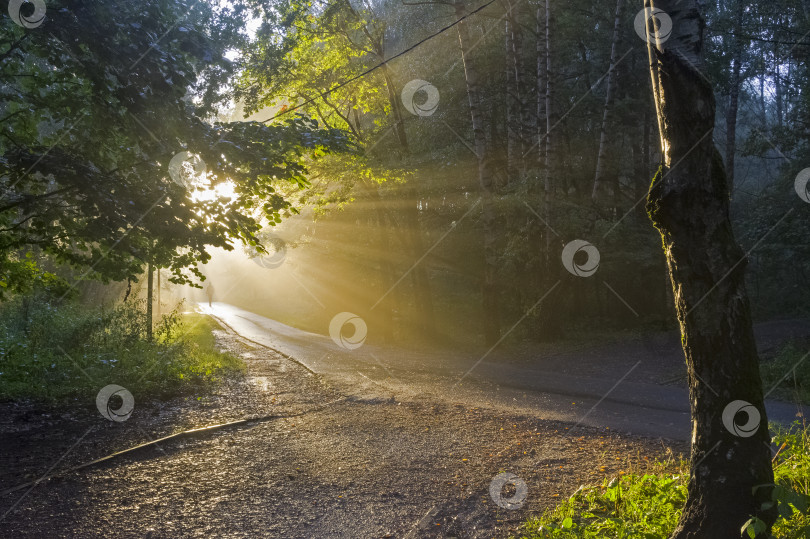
354 463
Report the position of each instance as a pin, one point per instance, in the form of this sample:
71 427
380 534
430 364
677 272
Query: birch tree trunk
689 205
516 102
602 186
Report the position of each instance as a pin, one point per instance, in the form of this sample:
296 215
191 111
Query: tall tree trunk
689 205
731 122
763 109
158 294
386 271
421 284
150 276
734 95
777 81
549 312
602 186
393 100
515 102
422 290
541 83
512 148
490 304
641 160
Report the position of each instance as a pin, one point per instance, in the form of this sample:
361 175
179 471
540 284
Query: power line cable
384 62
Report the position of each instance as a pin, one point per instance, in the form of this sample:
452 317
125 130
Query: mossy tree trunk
689 205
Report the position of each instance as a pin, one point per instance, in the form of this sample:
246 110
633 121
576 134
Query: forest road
380 443
624 386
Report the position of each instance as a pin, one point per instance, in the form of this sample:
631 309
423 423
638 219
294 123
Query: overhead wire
381 64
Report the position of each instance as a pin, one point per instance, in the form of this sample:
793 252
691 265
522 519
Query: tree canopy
97 100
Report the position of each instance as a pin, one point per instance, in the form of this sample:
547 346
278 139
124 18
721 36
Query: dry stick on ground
689 205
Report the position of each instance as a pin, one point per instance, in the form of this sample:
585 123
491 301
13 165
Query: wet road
611 385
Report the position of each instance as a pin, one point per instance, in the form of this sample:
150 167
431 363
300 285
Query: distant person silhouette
210 291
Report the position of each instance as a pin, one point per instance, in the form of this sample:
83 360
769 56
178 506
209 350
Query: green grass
63 352
199 329
648 506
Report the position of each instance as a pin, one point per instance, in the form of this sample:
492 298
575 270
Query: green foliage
93 106
632 506
22 275
649 506
792 476
53 352
790 369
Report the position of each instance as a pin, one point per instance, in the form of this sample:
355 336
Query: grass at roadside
648 506
60 352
